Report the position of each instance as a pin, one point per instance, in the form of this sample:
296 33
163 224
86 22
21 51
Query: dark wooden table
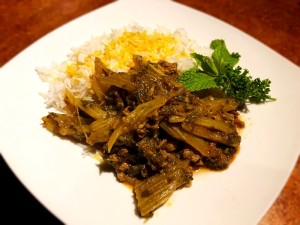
276 23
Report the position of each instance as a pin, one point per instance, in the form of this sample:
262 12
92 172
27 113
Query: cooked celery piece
66 125
101 130
155 70
205 148
214 124
232 139
176 119
156 190
96 87
119 80
89 107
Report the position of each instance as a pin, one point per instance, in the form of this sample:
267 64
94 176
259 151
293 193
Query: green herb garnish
221 71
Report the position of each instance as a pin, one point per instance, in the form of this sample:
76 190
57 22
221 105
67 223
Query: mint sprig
194 80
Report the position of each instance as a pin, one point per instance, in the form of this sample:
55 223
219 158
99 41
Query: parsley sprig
221 71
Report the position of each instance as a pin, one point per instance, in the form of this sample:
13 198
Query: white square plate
72 187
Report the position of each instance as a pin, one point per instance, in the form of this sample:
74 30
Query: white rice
82 59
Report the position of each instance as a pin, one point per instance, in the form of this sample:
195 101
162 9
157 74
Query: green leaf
195 80
206 63
238 84
221 55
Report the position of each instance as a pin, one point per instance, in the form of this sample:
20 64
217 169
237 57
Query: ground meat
190 155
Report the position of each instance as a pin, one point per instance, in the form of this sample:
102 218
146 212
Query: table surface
275 23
